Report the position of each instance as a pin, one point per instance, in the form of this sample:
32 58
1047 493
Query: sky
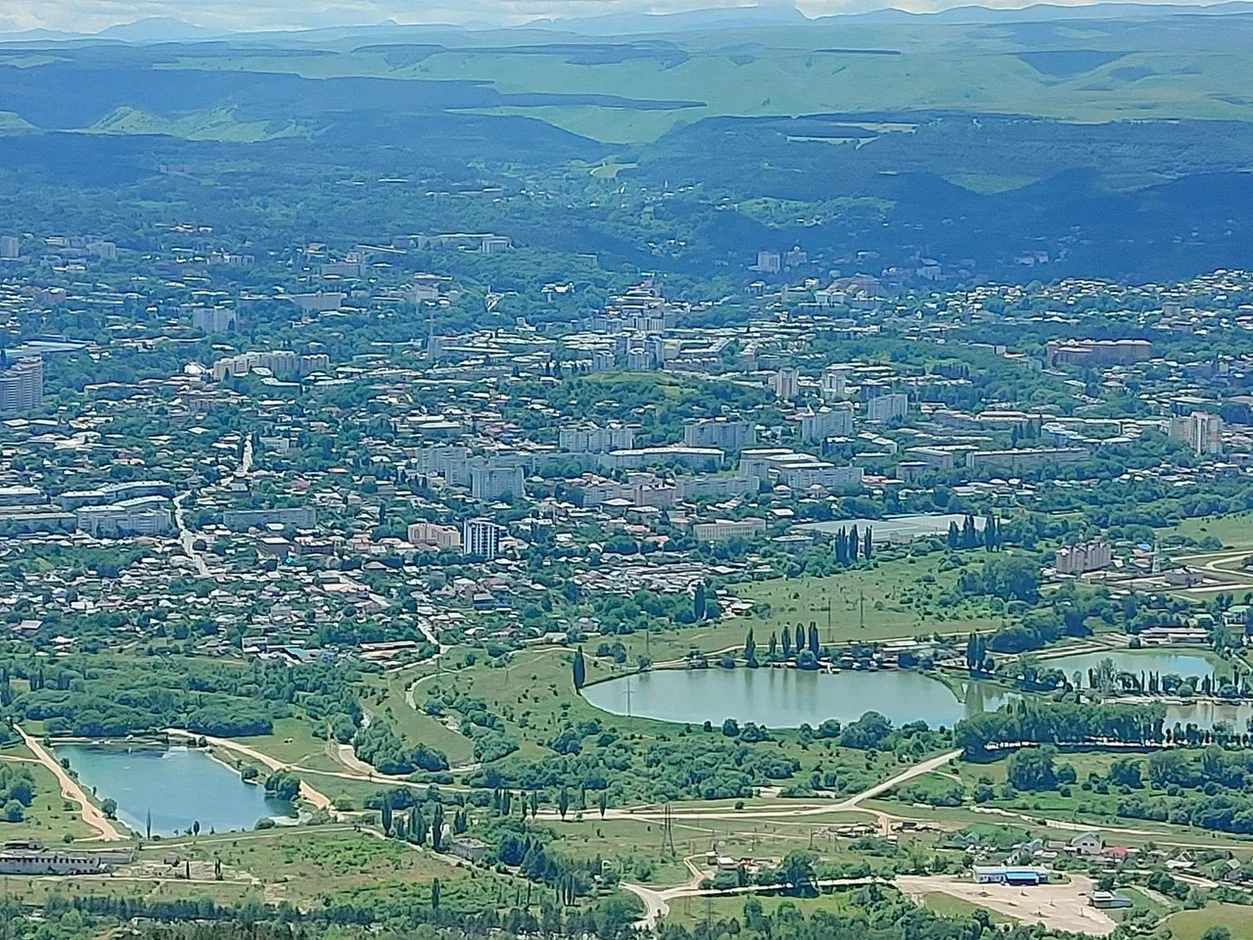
89 16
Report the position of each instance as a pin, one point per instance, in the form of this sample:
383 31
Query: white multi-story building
835 382
723 433
1086 556
281 362
434 536
884 408
480 538
145 515
490 483
10 248
593 439
22 385
723 529
786 384
214 319
1201 431
827 422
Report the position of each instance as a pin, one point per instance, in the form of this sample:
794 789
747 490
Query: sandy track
71 790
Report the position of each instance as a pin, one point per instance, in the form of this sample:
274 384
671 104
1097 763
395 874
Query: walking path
71 790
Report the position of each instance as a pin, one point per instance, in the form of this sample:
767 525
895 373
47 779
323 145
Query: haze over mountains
1112 140
174 23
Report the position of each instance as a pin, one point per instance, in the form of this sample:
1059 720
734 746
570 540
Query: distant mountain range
773 14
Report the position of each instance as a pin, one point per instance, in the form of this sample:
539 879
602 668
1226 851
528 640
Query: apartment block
492 483
22 386
480 538
1201 431
724 433
434 537
593 439
884 408
836 421
1086 556
723 529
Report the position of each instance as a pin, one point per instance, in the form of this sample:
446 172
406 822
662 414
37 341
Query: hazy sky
93 15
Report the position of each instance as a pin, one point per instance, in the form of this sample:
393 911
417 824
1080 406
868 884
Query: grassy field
893 599
1191 925
49 817
948 906
1234 531
689 912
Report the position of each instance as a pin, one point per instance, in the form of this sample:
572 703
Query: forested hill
1117 150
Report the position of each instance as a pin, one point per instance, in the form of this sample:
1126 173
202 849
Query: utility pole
830 632
861 604
628 694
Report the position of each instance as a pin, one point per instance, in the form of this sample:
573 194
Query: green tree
579 669
1032 768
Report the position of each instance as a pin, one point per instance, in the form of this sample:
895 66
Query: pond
786 698
1165 662
177 785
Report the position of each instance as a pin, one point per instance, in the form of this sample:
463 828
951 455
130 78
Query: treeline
1059 723
696 766
100 696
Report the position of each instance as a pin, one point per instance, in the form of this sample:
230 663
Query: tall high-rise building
480 538
827 422
835 381
22 385
786 384
1201 431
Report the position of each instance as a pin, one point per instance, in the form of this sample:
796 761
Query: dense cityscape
560 563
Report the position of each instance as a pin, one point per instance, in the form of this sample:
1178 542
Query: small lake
1207 714
786 698
178 786
1137 661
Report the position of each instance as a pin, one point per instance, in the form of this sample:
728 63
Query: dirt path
852 803
71 790
311 796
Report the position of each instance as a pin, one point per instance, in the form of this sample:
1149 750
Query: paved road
71 790
187 538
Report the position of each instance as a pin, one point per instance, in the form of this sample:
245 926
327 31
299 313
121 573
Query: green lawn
49 817
689 912
897 598
948 906
1234 531
1191 925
